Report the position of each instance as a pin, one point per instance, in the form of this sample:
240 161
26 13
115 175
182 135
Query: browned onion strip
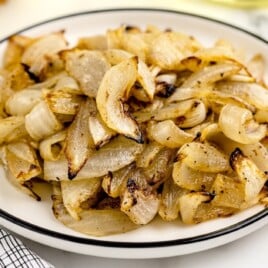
117 154
111 94
87 67
93 222
79 142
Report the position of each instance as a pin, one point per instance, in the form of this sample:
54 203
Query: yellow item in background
243 3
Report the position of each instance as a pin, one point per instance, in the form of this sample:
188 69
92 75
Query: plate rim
153 244
149 9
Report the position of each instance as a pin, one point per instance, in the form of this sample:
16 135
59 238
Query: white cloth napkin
13 254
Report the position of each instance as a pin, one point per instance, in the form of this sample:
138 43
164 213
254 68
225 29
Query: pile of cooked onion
133 124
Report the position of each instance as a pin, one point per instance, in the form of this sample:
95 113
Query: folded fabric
13 254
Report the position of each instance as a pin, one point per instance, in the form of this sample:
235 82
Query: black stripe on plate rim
176 242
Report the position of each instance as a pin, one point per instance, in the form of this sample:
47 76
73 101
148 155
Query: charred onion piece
203 157
138 200
239 125
78 141
87 67
97 222
112 93
248 173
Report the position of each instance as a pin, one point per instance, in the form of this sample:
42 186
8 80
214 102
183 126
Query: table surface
247 252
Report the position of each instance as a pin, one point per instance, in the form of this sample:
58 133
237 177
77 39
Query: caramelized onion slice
24 187
74 193
218 99
169 48
238 124
188 113
87 67
168 134
207 211
189 204
96 42
170 200
16 45
203 157
23 101
115 56
93 222
256 66
114 89
205 77
160 168
191 179
62 101
68 84
79 142
22 162
36 55
132 41
138 201
186 93
51 147
100 133
256 151
229 192
49 83
248 173
211 74
146 79
117 154
12 128
252 93
115 182
148 154
41 122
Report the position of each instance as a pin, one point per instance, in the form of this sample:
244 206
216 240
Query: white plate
35 220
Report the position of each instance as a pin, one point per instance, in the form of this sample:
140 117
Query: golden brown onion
87 67
203 157
93 222
79 143
238 124
114 89
117 154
